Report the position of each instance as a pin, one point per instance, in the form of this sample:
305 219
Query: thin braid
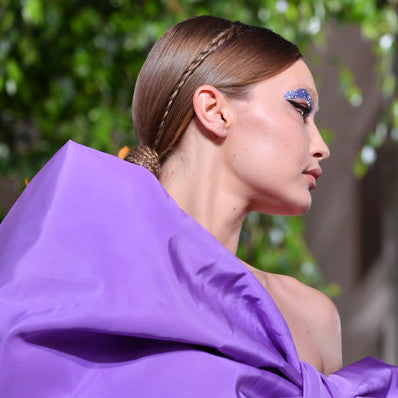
218 41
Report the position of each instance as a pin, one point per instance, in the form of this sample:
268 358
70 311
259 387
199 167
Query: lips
313 175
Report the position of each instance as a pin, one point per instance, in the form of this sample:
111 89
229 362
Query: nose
318 147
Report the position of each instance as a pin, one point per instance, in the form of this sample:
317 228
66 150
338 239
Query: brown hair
230 56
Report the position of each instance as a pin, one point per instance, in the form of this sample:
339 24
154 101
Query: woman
113 284
236 135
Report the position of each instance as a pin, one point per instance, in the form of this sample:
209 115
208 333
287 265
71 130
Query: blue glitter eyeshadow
301 93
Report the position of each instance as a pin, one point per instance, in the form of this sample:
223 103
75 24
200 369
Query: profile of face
273 147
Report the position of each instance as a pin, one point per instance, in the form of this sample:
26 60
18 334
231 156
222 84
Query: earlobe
209 106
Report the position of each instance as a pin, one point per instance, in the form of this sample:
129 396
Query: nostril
321 155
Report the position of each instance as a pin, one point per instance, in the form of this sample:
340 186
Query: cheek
268 138
257 151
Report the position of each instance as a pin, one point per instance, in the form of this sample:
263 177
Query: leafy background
67 71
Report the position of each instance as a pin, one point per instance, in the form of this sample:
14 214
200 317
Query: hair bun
143 155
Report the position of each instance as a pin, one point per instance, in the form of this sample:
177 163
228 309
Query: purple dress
108 289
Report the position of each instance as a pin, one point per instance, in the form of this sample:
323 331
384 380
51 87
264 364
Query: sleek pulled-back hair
230 56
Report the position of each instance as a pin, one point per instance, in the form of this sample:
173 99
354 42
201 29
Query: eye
302 109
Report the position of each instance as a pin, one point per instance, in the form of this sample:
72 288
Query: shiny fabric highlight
108 289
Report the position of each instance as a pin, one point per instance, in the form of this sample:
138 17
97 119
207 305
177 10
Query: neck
199 184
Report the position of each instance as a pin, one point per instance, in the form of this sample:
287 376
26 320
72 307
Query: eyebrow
306 93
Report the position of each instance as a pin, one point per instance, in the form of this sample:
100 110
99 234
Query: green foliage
286 250
67 71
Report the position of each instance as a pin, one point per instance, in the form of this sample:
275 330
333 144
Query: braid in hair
146 156
218 41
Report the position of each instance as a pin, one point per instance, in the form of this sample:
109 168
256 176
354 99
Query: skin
257 154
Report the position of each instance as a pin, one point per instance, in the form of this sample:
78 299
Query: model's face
274 147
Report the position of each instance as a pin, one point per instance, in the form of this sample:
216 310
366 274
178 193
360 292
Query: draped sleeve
108 289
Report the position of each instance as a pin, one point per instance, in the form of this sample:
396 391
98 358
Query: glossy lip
313 174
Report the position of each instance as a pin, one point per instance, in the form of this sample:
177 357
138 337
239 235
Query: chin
295 205
299 208
290 209
302 209
299 211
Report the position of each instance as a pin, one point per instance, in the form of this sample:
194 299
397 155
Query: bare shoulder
311 301
297 293
311 316
313 312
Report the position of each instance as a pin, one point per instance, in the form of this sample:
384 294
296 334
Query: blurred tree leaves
67 71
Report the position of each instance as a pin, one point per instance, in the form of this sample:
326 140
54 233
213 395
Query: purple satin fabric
108 289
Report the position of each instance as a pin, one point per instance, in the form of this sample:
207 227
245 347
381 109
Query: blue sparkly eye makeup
300 93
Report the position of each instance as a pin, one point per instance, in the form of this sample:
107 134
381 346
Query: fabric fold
108 289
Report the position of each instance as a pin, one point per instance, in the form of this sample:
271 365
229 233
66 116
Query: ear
211 110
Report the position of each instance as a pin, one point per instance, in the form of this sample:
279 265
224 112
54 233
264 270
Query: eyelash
302 109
